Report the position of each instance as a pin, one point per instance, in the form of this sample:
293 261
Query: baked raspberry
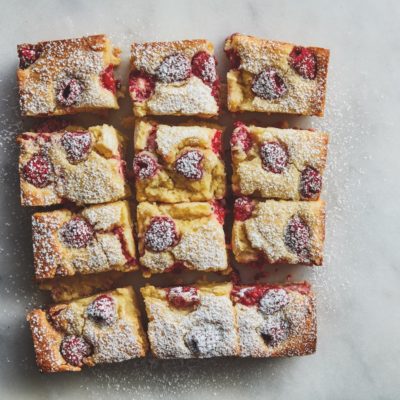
219 210
160 234
216 143
183 296
28 55
297 237
304 62
174 68
243 208
189 165
102 310
273 300
275 331
249 296
241 137
234 58
274 157
38 171
52 125
119 233
151 144
76 233
144 166
204 67
192 343
107 79
69 91
74 349
310 183
141 85
77 145
269 85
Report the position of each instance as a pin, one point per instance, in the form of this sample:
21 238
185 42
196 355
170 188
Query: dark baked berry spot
274 157
144 166
77 145
269 85
297 237
183 296
243 208
189 165
310 183
107 79
28 55
76 233
216 143
160 234
74 349
204 67
241 137
102 310
151 144
38 171
192 344
69 91
273 300
275 331
141 85
174 68
304 62
234 58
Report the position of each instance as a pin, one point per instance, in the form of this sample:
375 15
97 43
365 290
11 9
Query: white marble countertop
358 289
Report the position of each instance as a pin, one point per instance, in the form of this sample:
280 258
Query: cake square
191 321
278 232
275 77
176 164
274 163
174 78
183 235
82 166
95 239
104 328
275 320
67 76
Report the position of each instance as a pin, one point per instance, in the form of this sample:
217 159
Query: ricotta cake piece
275 77
176 164
174 78
67 76
104 328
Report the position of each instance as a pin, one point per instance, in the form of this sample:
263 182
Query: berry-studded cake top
97 239
67 76
99 329
177 78
278 163
188 235
83 166
191 321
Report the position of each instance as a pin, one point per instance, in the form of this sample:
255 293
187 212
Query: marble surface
358 289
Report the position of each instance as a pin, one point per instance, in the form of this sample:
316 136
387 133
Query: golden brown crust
304 96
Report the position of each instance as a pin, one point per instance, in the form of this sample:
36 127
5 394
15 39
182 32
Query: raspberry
304 62
141 85
69 91
174 68
275 331
219 210
151 144
183 296
38 171
243 208
107 79
297 237
76 233
273 300
74 349
241 137
274 157
102 310
216 143
160 234
248 296
188 165
234 58
77 145
144 166
28 55
269 85
204 67
310 183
